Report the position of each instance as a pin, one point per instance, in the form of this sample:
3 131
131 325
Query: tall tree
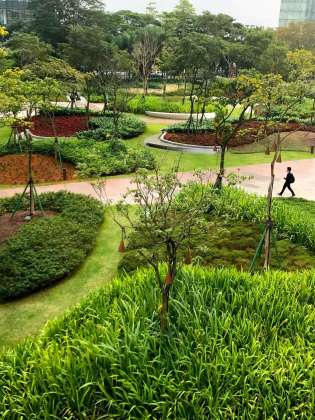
27 48
146 49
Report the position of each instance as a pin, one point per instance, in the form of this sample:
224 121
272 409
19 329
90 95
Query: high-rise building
12 11
296 11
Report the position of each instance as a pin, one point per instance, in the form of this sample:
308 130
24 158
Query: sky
250 12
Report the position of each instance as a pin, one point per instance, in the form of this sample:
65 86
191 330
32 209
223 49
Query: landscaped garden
173 293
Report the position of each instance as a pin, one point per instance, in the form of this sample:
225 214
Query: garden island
148 267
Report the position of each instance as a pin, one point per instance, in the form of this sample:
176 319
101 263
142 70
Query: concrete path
304 171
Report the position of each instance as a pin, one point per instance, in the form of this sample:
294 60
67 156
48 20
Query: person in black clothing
289 179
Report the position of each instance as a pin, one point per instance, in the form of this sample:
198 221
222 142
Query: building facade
12 11
296 11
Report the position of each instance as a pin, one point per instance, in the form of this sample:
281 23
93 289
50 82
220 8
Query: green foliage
239 345
48 249
139 105
296 224
93 158
103 128
227 243
75 111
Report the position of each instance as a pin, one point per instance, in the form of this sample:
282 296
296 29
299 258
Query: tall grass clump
239 346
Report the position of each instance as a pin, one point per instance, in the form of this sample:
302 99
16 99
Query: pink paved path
304 187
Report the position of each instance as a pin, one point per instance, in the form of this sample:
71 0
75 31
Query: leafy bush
64 112
206 127
103 128
93 158
139 104
48 249
239 346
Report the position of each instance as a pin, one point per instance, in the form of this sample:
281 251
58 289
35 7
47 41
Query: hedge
48 249
239 346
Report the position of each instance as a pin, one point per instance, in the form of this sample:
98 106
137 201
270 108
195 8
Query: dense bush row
103 128
139 104
64 112
93 158
48 249
239 346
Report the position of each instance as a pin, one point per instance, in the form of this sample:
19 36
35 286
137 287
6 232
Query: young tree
274 93
164 225
146 49
234 100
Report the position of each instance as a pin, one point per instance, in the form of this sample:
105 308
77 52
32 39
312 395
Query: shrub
139 104
239 346
103 128
93 158
64 112
48 249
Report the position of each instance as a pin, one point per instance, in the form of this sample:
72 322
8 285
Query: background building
296 11
12 11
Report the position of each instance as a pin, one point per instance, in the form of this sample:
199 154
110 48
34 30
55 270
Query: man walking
289 179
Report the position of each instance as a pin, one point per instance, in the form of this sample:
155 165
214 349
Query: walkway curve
304 171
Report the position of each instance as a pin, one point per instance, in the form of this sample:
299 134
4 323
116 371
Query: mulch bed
248 135
66 126
14 169
10 225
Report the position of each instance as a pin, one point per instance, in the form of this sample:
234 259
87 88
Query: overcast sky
251 12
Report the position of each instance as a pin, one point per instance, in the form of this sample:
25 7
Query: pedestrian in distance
289 180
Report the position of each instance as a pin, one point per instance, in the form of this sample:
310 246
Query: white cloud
250 12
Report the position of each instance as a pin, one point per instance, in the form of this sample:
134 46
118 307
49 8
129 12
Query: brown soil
10 225
14 169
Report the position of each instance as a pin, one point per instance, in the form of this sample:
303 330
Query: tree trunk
219 180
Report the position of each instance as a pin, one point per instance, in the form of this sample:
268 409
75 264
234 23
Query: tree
27 48
52 19
298 35
146 49
274 93
163 225
234 100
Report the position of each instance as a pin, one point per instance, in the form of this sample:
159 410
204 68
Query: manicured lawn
26 317
190 162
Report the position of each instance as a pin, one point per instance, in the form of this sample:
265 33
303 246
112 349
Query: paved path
304 187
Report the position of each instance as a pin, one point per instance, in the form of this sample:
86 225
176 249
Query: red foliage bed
66 126
248 134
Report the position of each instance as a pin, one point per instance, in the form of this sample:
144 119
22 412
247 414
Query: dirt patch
10 225
14 169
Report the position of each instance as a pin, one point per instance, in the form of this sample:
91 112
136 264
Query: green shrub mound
48 249
103 128
65 112
239 346
140 104
91 157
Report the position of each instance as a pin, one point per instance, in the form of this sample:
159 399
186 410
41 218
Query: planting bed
48 248
14 169
10 225
66 126
247 135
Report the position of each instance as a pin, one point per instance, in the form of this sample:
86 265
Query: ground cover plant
227 243
103 128
46 250
239 345
91 157
140 104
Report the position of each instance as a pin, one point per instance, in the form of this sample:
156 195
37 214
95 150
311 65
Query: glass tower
12 11
296 11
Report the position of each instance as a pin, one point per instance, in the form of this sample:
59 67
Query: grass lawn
190 162
26 317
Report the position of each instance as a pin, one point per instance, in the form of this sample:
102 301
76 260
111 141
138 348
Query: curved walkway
304 171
